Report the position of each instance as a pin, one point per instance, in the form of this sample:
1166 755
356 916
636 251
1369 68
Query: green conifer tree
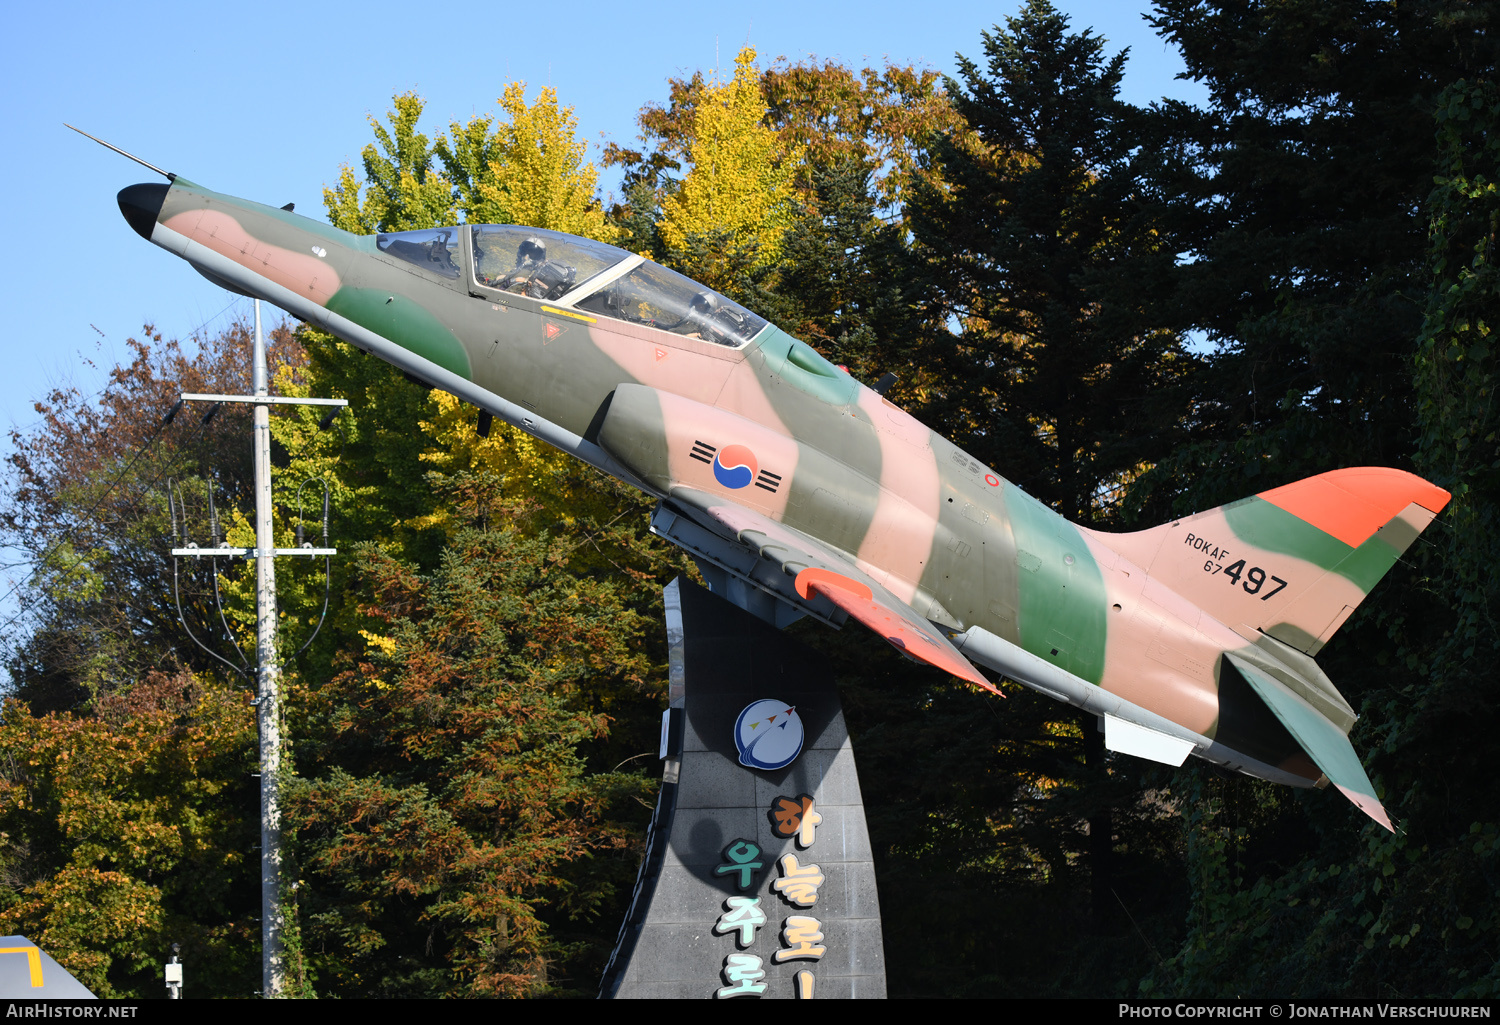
1051 364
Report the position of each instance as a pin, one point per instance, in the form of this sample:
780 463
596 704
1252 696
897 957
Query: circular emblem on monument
768 734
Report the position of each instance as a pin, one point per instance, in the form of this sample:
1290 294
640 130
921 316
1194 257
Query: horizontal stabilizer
1128 738
1324 742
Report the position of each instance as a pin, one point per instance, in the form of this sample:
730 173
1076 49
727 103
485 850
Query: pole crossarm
251 553
263 400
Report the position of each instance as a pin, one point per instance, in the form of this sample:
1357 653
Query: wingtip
859 601
1370 805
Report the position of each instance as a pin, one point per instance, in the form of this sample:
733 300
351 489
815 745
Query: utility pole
268 703
268 673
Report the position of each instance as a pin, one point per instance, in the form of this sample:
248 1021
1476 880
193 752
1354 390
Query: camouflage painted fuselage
787 478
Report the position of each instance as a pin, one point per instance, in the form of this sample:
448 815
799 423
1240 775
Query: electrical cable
327 562
41 560
177 599
161 424
180 503
171 465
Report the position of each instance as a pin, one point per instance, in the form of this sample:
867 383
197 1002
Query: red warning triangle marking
552 331
661 354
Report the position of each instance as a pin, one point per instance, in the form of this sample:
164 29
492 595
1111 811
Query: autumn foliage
130 828
446 811
1132 312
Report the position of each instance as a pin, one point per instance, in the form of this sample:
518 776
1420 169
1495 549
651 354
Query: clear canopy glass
652 295
607 282
536 263
432 249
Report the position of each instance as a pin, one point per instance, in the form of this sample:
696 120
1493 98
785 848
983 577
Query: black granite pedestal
756 882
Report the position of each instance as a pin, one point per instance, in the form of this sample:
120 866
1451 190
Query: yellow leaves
407 191
741 178
382 644
526 470
527 168
342 203
1064 728
538 176
881 118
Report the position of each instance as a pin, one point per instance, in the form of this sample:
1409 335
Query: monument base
758 878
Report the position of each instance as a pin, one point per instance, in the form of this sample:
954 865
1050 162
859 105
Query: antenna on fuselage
168 175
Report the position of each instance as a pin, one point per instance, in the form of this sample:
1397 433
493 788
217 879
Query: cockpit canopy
569 271
433 249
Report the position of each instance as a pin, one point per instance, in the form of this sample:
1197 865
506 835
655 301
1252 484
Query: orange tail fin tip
1352 504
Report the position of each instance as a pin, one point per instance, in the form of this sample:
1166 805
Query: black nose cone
141 205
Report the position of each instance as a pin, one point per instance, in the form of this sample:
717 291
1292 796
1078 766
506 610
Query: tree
1422 901
402 189
830 113
459 867
533 173
1041 357
827 120
1456 361
447 812
1298 194
1327 266
1029 251
402 489
130 828
737 197
526 169
980 829
882 120
86 500
840 284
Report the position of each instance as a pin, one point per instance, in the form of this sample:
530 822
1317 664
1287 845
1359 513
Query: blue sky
268 101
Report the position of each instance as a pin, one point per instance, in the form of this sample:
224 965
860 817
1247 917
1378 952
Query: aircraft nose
141 204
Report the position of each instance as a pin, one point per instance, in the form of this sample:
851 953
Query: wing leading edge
819 570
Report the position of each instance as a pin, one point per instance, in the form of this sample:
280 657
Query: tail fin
1292 562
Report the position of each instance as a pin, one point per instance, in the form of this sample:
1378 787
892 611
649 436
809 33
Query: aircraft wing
819 569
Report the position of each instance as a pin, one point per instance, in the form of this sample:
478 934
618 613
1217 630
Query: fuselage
667 385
